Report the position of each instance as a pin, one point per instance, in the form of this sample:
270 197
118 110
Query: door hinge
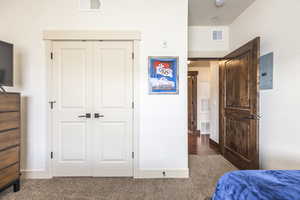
132 55
52 104
51 155
132 154
132 105
51 55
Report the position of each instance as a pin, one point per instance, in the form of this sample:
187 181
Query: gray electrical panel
266 71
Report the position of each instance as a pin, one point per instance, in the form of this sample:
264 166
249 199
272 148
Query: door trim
91 35
57 35
194 75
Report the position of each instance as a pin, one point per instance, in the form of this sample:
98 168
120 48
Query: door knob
87 115
97 115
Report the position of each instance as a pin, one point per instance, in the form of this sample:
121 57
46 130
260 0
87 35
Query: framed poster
163 75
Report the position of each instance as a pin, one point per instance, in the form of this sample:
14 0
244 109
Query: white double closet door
92 84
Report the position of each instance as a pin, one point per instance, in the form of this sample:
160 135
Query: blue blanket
259 185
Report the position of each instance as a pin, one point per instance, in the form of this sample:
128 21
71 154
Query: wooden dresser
10 141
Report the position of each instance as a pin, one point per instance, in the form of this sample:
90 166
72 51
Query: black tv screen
6 64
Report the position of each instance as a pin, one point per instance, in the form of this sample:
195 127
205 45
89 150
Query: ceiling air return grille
90 5
217 35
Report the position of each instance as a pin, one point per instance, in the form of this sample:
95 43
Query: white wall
201 43
203 92
276 22
214 101
162 145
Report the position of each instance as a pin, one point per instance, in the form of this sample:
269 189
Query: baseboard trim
140 174
214 145
35 174
162 173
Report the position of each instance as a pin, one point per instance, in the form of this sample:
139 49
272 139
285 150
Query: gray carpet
204 173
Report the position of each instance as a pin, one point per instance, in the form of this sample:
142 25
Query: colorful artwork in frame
163 75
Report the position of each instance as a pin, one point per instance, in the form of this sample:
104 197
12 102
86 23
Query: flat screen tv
6 64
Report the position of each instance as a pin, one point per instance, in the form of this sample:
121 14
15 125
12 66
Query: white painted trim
48 50
207 54
49 37
158 173
136 111
35 174
91 35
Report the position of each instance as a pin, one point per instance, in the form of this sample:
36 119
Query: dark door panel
239 106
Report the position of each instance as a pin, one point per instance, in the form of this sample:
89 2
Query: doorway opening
203 106
233 105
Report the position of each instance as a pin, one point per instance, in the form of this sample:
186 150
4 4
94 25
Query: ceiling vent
90 5
217 35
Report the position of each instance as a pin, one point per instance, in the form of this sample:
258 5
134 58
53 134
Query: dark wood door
239 106
192 100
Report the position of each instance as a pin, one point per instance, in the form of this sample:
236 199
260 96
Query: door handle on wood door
252 117
87 115
97 115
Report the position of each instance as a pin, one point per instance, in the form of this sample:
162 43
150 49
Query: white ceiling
205 13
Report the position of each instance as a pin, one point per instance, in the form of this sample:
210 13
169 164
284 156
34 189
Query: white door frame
70 35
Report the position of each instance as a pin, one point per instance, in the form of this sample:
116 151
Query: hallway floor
199 145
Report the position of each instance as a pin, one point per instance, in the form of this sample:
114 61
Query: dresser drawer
10 102
9 138
9 120
9 157
8 175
